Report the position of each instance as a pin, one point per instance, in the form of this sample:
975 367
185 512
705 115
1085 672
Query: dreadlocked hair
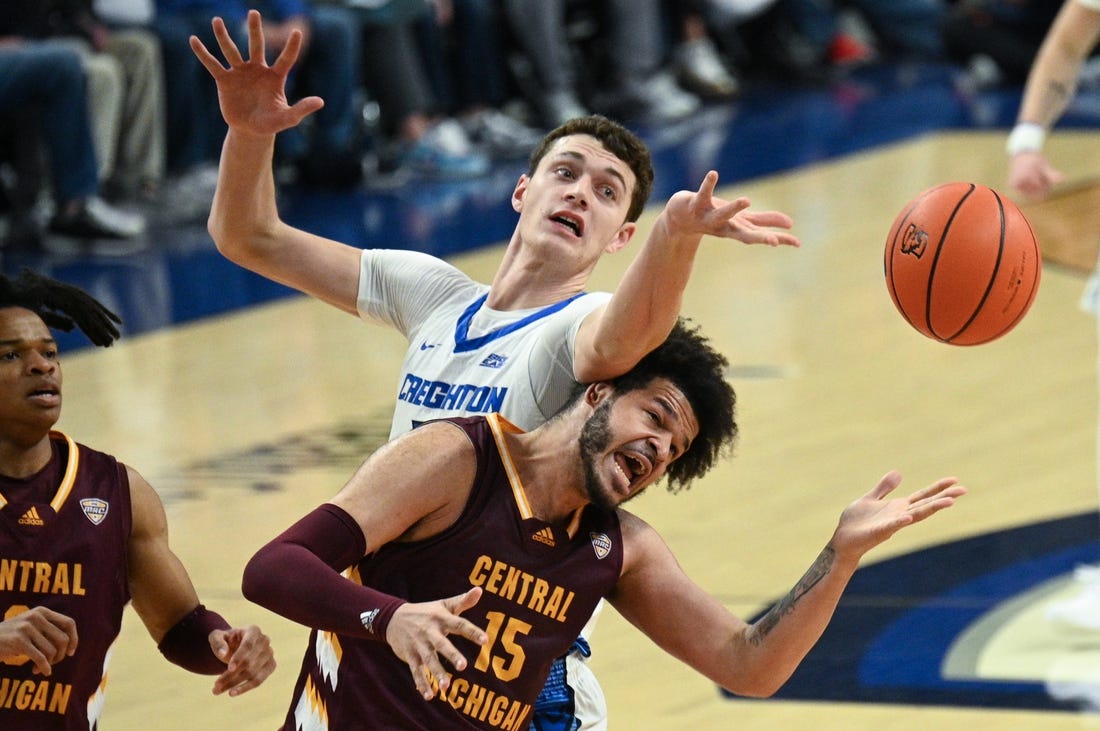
61 306
688 360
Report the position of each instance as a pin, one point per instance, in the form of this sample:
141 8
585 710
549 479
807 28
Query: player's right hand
1031 175
37 635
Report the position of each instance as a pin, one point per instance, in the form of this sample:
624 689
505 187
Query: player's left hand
875 517
418 634
700 213
248 656
251 93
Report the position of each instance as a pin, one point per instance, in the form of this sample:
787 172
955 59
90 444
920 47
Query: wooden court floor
246 422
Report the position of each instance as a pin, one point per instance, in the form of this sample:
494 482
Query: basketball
962 264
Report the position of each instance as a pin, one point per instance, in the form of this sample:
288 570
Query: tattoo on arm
821 567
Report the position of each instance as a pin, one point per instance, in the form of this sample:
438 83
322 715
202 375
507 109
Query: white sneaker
96 218
701 70
655 99
502 136
1083 610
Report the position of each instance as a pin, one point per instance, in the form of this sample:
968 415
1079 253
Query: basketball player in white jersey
515 346
1051 85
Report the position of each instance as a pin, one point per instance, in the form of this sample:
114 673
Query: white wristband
1026 137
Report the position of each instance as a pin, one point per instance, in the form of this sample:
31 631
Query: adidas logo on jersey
31 517
544 535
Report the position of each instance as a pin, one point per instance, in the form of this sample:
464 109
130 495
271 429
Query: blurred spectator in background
418 137
996 40
704 43
328 152
613 59
462 45
44 103
125 88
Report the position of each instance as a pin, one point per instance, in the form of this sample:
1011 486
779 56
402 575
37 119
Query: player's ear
596 393
519 192
622 237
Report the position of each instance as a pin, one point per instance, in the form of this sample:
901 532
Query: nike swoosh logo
426 346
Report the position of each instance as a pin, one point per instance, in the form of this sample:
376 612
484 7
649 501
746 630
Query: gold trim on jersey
500 426
68 480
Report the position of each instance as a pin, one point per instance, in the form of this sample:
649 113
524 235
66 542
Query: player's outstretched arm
244 219
186 632
1051 85
647 301
756 660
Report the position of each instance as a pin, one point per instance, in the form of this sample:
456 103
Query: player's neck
18 460
550 471
526 290
524 281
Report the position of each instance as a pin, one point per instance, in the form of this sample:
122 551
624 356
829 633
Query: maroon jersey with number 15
540 585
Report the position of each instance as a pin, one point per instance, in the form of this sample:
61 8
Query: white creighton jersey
463 357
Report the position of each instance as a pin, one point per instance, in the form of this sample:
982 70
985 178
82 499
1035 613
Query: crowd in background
107 117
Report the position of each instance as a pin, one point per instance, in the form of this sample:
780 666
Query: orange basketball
962 263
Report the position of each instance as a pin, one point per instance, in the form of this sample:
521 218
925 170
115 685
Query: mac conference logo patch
94 509
601 544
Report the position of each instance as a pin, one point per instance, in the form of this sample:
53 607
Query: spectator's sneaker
95 218
558 107
500 135
653 99
444 152
186 197
700 70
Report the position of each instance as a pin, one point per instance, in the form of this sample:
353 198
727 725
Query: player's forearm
1052 82
1050 88
645 305
297 575
776 643
244 215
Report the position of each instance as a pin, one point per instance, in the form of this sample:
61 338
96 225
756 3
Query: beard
595 438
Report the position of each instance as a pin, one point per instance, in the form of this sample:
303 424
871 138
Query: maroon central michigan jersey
63 540
540 585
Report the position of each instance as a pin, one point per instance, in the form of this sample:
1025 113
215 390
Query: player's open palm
251 93
418 634
703 214
876 516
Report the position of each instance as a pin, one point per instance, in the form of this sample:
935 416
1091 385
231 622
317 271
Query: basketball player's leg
572 699
1081 610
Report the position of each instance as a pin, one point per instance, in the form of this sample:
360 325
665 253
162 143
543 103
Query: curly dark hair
61 306
688 360
619 141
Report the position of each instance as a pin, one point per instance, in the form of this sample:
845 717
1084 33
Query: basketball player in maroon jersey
81 535
521 534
